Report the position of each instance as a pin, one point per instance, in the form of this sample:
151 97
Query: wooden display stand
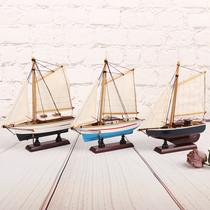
174 148
111 147
47 145
179 144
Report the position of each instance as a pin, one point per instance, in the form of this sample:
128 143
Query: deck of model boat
121 121
72 177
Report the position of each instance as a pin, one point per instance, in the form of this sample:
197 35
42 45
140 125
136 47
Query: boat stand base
47 145
111 147
175 148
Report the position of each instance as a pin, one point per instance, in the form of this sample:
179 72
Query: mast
33 89
103 90
174 96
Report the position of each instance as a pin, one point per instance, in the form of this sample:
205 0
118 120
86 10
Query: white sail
88 112
157 117
53 91
123 101
190 97
20 110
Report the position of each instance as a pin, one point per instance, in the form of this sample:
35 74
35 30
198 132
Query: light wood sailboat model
178 119
51 105
117 102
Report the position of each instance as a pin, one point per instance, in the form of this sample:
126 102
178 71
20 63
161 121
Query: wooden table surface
72 177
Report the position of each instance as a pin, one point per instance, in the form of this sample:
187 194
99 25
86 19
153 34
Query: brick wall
148 35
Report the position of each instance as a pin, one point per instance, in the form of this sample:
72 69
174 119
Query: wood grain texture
111 180
72 177
189 185
27 178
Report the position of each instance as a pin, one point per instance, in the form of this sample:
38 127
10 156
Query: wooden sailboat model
51 105
117 101
184 125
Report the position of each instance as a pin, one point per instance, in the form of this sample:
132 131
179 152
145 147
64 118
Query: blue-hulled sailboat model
183 125
49 111
116 113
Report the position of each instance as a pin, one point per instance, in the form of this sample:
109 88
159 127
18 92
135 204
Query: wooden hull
91 133
25 132
175 135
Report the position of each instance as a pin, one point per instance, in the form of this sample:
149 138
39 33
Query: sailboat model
116 112
51 105
179 118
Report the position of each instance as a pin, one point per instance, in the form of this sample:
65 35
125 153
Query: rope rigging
189 69
47 63
47 89
118 66
172 89
41 101
107 91
125 112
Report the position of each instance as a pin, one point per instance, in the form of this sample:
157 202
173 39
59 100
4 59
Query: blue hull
94 136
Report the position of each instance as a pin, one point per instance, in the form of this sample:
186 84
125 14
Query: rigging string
29 76
41 100
118 92
189 68
117 70
170 101
100 81
172 91
47 63
47 89
108 99
118 66
45 67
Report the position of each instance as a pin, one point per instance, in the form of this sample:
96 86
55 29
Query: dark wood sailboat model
186 108
117 110
51 106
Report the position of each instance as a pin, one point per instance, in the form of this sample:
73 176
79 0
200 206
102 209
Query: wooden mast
102 91
174 96
33 89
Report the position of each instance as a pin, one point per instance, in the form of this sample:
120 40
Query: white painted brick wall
148 35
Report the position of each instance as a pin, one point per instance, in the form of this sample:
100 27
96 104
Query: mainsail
20 110
49 97
125 92
118 98
190 97
189 102
52 94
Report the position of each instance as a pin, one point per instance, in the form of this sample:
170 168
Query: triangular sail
53 91
190 98
88 112
20 110
157 117
122 100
